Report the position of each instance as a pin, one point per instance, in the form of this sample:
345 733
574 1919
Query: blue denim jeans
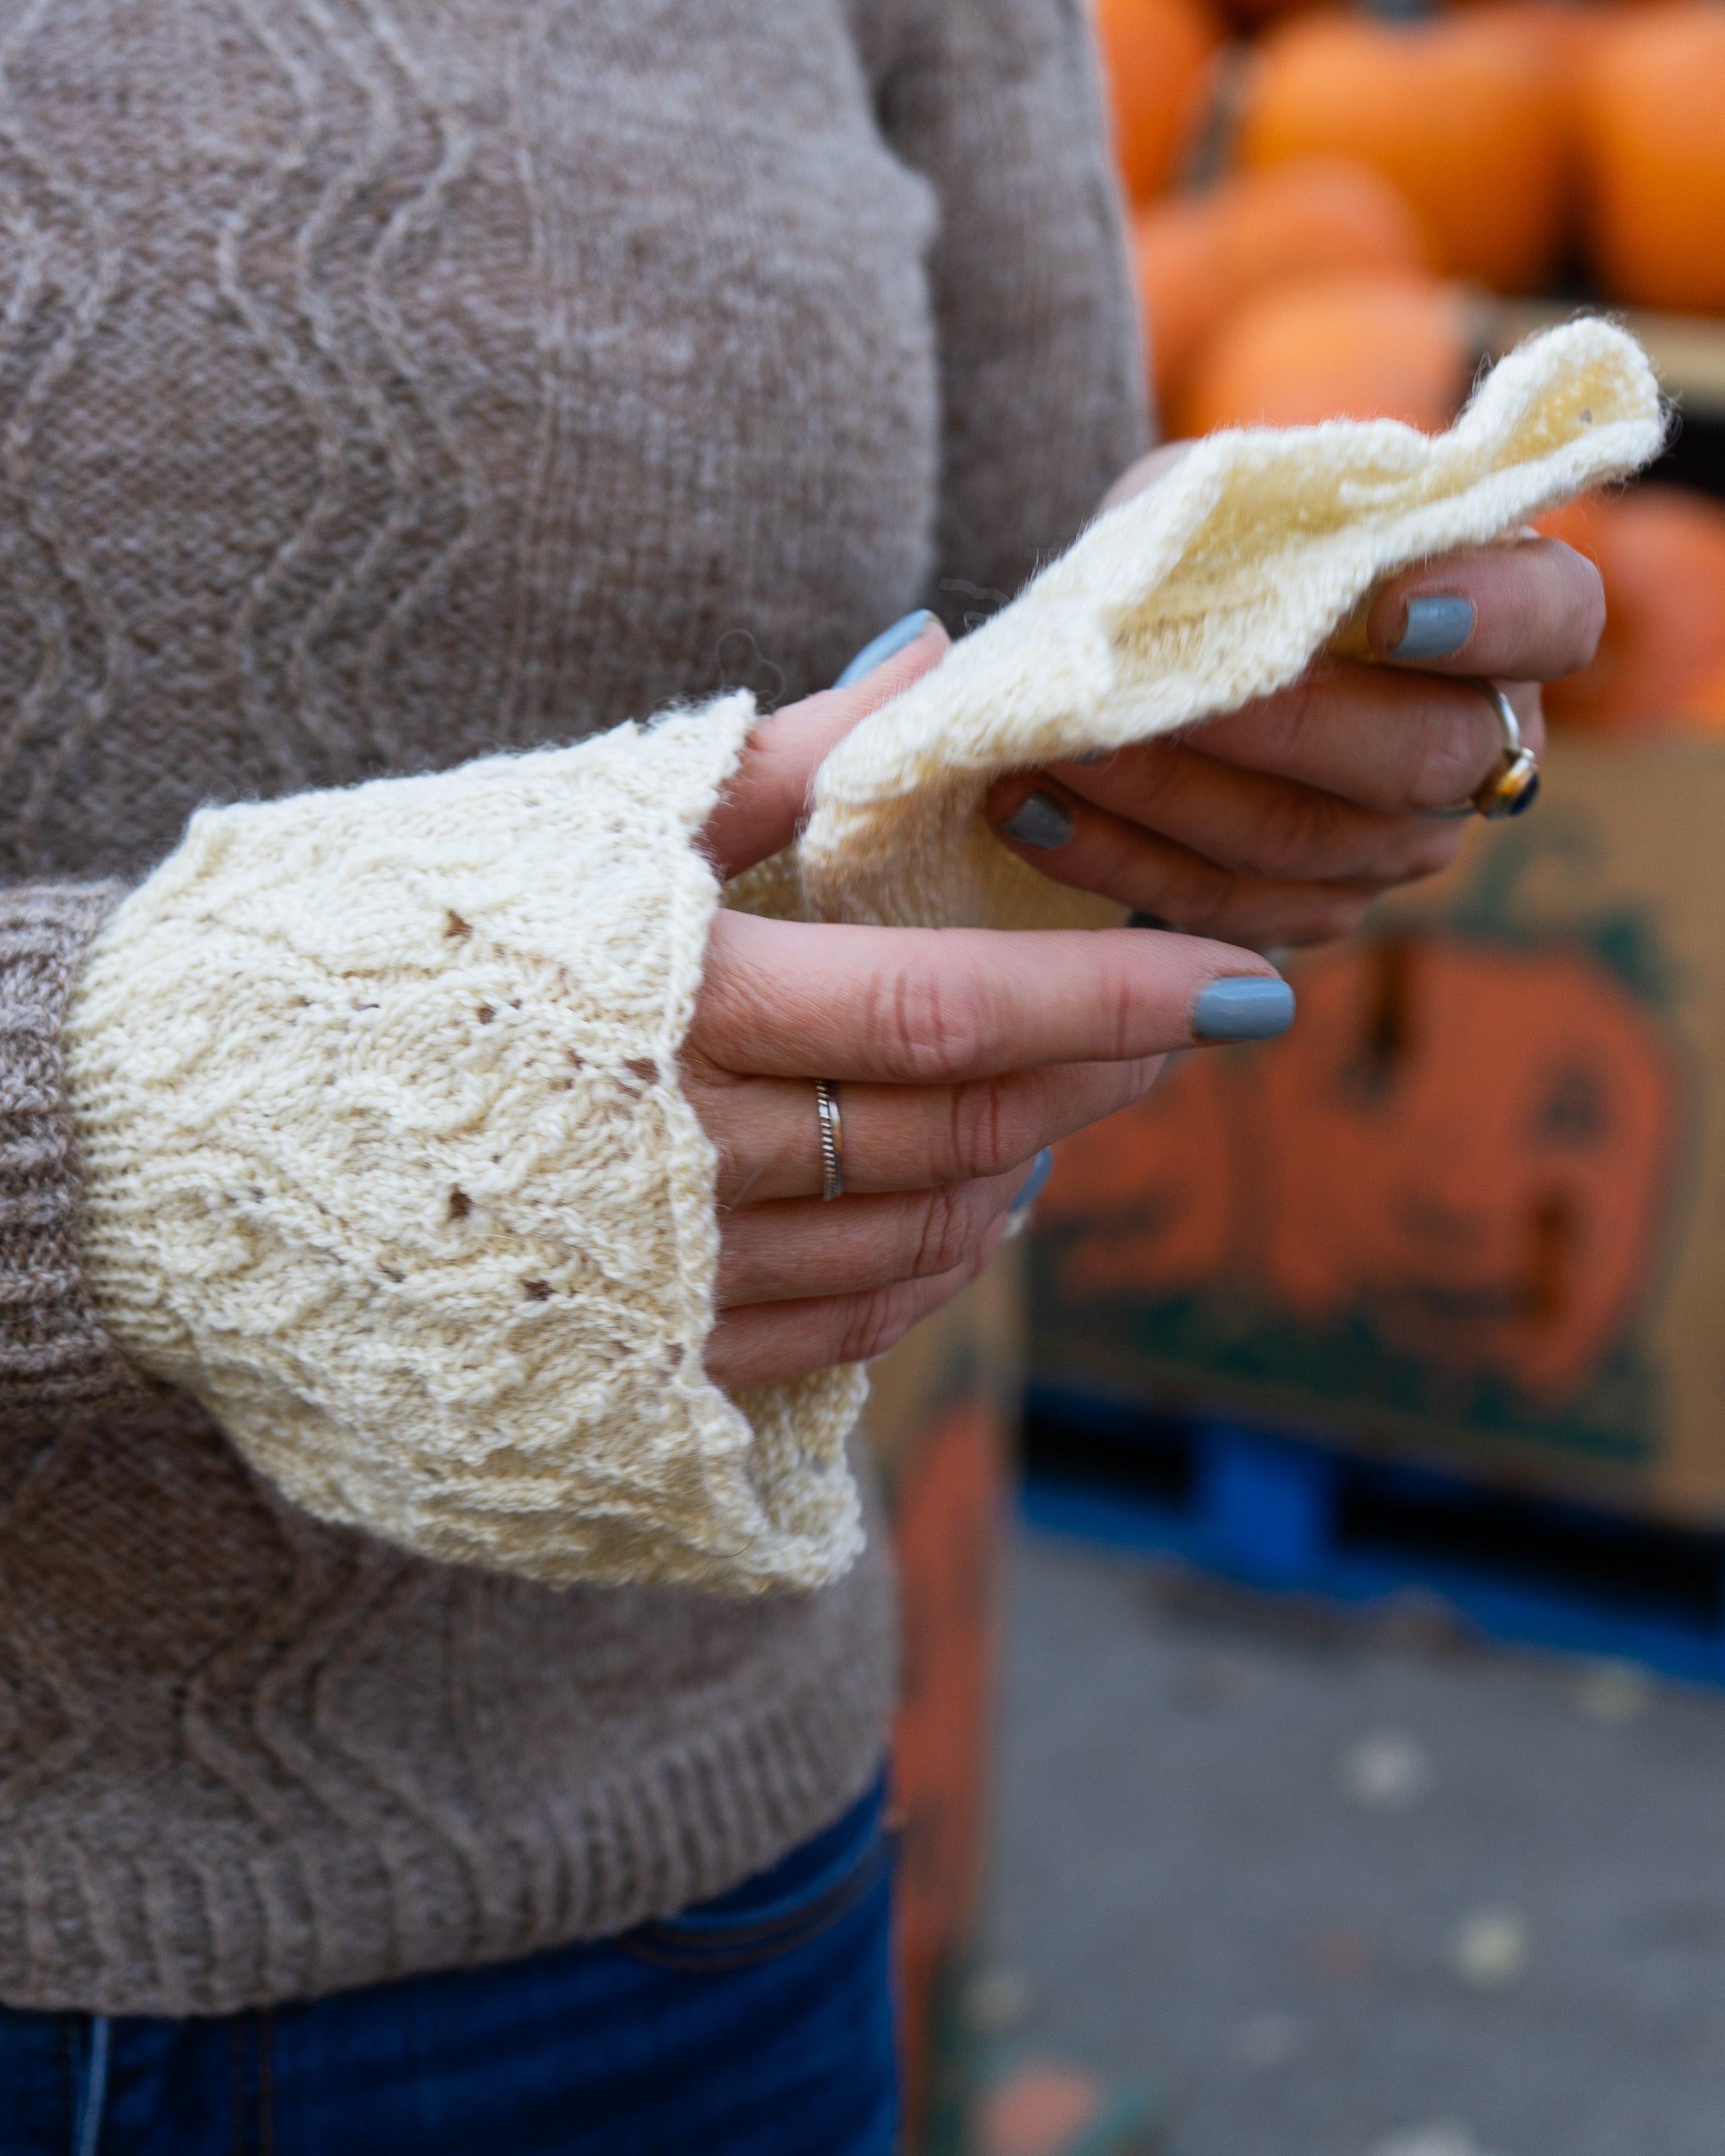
759 2024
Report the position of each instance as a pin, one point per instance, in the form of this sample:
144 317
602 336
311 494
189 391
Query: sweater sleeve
996 102
387 1162
56 1355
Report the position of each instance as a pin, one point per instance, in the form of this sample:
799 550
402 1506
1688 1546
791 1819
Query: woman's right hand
956 1055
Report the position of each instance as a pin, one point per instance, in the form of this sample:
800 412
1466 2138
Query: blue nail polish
1040 820
1248 1008
887 645
1031 1187
1438 625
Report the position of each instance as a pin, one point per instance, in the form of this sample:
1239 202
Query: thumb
768 798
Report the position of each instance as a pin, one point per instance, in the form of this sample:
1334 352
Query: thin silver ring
1514 785
1506 711
832 1141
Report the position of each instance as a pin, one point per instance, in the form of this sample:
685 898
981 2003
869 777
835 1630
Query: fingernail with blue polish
1039 820
887 645
1437 626
1249 1007
1031 1187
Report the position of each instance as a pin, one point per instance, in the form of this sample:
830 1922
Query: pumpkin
1254 14
1701 706
1468 115
1392 347
1156 60
1652 118
1198 257
1150 1188
1468 1145
1661 553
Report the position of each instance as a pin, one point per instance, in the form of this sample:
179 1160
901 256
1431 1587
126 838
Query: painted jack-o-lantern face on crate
1153 1186
1469 1144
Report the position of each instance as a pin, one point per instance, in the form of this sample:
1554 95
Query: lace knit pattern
384 385
1219 584
386 1160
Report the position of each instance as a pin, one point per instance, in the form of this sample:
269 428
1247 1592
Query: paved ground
1357 1892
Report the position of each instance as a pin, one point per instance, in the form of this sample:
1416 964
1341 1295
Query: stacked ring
1514 784
832 1141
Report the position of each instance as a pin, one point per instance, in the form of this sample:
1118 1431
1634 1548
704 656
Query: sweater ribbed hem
55 1355
187 1927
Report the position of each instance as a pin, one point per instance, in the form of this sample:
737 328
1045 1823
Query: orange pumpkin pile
1156 58
1464 114
1511 128
1366 347
1202 257
1363 177
1661 553
1652 106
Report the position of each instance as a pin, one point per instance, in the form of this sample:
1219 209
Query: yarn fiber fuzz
1218 584
387 1162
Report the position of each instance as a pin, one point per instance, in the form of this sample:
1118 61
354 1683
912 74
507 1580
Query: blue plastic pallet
1295 1515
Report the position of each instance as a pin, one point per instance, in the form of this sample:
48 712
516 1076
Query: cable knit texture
385 386
388 1164
1219 584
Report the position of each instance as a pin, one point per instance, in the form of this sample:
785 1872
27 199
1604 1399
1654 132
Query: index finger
769 795
937 1006
1385 738
1528 611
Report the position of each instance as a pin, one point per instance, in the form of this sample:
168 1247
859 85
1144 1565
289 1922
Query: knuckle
929 1022
1108 859
946 1232
1304 712
1454 759
1290 829
881 1323
1207 901
990 1128
1330 917
1431 848
1341 917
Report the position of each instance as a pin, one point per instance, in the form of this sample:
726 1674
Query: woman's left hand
1279 823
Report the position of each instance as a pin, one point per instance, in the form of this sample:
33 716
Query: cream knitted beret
387 1162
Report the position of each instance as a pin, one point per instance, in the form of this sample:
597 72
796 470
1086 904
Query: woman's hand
957 1054
1279 823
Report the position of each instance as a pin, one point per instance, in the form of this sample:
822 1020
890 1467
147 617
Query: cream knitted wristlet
1218 584
386 1161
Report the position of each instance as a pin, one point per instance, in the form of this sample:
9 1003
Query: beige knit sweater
385 387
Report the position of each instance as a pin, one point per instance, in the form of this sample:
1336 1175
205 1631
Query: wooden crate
942 1421
1472 1209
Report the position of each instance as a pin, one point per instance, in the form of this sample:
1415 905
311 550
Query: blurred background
1314 1735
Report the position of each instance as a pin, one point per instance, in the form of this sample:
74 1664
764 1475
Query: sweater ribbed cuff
55 1355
